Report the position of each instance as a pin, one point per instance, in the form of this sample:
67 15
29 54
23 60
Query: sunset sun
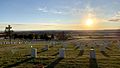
89 22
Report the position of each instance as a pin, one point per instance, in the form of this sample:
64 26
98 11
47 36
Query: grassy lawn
18 55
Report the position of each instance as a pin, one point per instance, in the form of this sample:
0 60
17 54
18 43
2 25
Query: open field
18 55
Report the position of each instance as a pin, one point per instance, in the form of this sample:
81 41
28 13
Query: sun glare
89 22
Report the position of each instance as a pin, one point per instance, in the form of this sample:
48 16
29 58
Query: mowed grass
18 55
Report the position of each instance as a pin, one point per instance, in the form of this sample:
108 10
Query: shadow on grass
37 53
51 46
93 63
55 54
105 54
76 48
54 63
108 48
18 63
81 53
41 51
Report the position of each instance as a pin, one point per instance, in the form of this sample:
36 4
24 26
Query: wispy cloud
115 18
54 11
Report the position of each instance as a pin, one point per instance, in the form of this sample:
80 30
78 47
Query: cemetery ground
77 54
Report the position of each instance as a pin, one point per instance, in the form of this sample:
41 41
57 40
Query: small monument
62 53
9 32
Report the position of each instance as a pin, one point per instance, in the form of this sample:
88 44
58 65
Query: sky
60 14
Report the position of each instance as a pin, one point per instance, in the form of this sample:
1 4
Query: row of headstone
2 43
62 53
34 53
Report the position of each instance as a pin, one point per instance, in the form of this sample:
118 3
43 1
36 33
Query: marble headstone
92 54
62 53
33 52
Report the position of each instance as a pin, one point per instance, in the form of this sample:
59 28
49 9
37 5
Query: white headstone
14 42
33 52
62 53
19 42
92 54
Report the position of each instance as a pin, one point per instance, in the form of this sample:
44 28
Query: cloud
43 9
115 18
53 11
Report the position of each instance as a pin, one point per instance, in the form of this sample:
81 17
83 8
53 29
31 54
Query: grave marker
33 52
62 53
92 54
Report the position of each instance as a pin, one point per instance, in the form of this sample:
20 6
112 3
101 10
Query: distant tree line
10 34
33 36
45 36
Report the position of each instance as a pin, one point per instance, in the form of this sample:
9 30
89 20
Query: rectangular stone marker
33 52
62 53
92 54
7 42
19 42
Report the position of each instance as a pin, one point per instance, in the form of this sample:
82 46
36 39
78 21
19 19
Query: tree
62 36
52 36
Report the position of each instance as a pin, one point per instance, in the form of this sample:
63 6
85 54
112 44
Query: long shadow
76 48
41 51
54 63
18 63
55 54
105 54
51 46
108 48
81 53
93 63
37 53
